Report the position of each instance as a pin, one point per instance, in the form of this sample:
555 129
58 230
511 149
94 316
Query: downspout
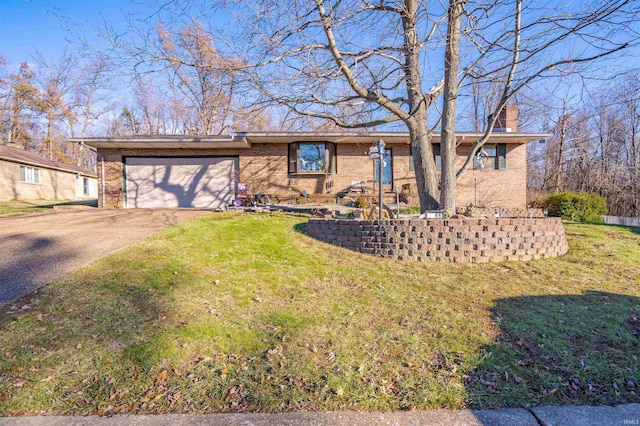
102 178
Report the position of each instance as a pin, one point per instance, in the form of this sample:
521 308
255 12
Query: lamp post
380 144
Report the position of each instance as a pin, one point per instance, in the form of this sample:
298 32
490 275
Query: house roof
246 139
165 141
16 155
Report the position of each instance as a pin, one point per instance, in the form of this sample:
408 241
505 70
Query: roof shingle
26 157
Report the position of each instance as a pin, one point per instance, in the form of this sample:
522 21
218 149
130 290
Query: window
312 157
85 186
436 154
437 158
29 174
386 168
491 157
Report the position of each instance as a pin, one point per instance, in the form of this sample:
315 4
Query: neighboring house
204 171
27 176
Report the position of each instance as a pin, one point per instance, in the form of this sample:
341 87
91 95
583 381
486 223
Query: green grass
245 313
38 206
411 210
18 208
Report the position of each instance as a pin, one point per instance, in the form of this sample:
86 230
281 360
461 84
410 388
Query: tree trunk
424 163
49 132
560 158
633 160
450 94
425 167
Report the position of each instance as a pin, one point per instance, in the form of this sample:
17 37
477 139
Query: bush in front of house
361 203
579 207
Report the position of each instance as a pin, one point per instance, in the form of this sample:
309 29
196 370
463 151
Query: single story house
27 176
208 171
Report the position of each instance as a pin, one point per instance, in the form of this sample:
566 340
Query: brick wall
455 240
54 184
264 167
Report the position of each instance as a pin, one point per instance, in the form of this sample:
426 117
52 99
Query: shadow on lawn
565 349
299 228
104 327
21 268
632 229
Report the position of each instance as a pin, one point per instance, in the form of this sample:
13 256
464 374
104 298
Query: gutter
102 178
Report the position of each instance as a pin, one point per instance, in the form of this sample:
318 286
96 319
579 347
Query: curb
621 415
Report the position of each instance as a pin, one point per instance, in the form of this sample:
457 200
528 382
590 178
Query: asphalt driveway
38 248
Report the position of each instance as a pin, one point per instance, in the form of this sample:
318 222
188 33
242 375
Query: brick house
205 171
27 176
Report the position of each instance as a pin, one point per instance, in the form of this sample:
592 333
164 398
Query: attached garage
157 182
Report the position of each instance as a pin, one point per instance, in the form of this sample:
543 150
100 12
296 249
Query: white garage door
205 182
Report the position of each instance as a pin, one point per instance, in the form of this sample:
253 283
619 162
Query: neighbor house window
436 155
312 157
491 157
85 186
29 174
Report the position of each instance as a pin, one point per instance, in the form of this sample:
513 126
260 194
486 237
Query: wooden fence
618 220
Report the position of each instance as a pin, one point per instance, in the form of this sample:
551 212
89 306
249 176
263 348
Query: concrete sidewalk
546 416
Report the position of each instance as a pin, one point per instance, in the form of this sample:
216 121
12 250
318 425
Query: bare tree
202 76
448 134
20 107
5 97
594 147
363 64
319 52
56 81
630 98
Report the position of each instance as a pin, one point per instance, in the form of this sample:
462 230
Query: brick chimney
507 119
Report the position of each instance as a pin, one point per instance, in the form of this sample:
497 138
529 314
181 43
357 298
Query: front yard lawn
246 313
39 206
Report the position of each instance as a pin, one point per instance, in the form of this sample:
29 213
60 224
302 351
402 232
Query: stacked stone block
503 212
455 240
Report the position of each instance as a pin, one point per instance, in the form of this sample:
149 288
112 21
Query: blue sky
30 25
27 26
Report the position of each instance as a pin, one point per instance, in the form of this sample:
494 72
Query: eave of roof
164 142
388 137
26 158
244 140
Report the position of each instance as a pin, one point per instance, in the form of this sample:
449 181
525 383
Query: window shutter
438 158
501 154
293 157
331 153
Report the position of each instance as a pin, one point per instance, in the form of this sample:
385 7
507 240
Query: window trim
499 160
31 175
85 186
293 158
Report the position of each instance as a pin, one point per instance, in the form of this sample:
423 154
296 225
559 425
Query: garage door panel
180 182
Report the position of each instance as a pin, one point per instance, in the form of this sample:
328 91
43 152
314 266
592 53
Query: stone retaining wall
502 211
456 240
